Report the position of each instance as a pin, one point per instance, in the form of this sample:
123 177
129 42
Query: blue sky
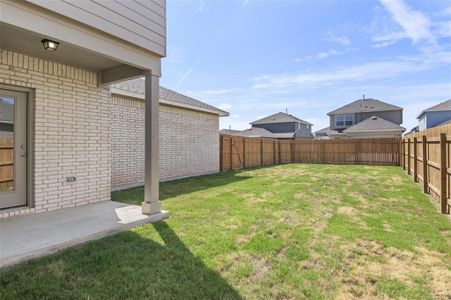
254 58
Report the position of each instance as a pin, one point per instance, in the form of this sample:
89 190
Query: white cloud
366 71
416 25
340 39
200 7
442 29
446 11
219 91
383 44
225 106
324 54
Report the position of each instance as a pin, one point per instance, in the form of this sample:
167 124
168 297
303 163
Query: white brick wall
71 134
189 142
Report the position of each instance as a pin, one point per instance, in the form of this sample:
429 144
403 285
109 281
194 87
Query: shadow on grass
124 266
179 187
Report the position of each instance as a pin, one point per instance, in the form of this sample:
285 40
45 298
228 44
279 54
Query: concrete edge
12 261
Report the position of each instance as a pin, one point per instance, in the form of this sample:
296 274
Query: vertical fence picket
415 160
425 163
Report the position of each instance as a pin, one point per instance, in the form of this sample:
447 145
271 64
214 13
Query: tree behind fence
426 156
238 152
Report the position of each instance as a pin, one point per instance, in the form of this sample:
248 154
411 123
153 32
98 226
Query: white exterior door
13 149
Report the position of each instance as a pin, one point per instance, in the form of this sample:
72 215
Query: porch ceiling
29 43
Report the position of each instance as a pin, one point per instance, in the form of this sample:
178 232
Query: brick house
189 141
57 59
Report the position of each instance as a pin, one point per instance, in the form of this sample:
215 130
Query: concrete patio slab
27 237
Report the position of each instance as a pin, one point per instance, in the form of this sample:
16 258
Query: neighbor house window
344 120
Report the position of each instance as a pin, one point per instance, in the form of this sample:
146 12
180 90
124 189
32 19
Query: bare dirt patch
348 211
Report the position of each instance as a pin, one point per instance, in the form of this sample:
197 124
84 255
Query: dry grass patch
368 263
286 232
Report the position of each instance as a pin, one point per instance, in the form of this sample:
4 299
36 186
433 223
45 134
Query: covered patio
57 61
28 237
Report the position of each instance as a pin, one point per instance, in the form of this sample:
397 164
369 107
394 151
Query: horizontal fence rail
426 156
238 152
6 163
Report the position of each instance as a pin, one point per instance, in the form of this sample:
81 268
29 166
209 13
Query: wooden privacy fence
238 152
426 156
6 162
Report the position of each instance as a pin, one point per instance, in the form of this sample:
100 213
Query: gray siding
278 127
422 125
394 116
437 117
304 131
140 22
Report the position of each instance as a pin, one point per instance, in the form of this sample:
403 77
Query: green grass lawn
285 232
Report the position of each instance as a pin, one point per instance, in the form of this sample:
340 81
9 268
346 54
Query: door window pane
7 108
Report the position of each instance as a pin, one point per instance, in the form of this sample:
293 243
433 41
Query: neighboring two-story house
435 116
277 126
364 118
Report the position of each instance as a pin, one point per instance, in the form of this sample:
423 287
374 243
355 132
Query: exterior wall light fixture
50 45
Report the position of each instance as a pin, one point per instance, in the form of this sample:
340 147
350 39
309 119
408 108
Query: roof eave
120 92
375 130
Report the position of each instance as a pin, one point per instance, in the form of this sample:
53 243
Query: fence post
292 151
274 152
221 153
403 152
443 171
425 164
408 156
357 151
261 152
231 152
244 153
323 154
279 150
415 160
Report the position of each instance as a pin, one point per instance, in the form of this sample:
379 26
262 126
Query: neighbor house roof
135 88
327 131
279 118
374 124
259 132
364 105
444 106
413 130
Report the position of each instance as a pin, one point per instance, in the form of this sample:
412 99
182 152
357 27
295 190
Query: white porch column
151 204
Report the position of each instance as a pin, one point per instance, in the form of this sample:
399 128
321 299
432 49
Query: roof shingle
259 133
374 124
364 105
444 106
279 118
136 86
